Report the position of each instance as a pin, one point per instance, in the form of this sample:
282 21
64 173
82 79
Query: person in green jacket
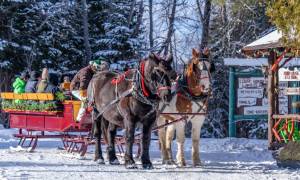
19 84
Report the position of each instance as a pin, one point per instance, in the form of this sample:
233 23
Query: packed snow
228 158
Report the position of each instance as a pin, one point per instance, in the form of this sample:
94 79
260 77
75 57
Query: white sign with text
256 110
286 74
246 102
254 82
250 93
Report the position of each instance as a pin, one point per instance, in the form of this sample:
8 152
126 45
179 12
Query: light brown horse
191 97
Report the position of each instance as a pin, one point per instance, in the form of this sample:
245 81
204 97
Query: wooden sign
256 110
250 93
254 82
289 75
292 91
246 102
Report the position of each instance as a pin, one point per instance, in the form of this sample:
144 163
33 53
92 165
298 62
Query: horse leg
129 162
196 129
162 139
97 134
111 152
180 137
169 139
146 140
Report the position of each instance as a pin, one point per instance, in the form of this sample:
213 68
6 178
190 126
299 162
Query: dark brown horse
133 99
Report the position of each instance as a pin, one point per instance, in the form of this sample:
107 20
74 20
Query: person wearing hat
19 84
81 80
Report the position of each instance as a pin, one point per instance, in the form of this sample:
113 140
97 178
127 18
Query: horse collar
144 89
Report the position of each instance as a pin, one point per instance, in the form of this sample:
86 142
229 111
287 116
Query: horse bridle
159 86
142 94
208 72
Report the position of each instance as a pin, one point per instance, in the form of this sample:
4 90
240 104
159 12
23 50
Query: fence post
231 123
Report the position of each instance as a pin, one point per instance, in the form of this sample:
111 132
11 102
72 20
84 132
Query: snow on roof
271 40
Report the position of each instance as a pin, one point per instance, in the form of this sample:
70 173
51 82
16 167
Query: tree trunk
205 18
132 6
225 42
167 42
88 51
139 19
151 41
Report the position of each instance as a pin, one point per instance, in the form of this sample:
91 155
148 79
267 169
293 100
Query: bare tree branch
199 11
151 40
132 6
171 20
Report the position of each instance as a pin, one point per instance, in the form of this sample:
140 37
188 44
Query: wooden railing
28 96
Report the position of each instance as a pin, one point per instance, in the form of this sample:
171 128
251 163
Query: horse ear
170 58
154 57
151 55
195 53
206 51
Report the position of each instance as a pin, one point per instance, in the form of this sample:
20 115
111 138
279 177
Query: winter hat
24 75
34 75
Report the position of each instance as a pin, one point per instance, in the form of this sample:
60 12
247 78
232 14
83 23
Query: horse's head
158 72
165 64
198 72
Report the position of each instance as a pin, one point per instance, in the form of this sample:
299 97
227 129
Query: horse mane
190 68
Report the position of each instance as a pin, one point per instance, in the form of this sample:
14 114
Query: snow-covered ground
222 159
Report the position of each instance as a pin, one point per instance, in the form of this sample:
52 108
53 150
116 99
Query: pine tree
119 41
285 15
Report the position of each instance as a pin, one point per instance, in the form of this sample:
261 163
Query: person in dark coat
52 85
82 78
31 85
81 82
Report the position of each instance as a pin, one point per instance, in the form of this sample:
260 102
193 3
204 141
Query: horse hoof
181 164
197 164
114 162
131 166
100 161
168 162
148 166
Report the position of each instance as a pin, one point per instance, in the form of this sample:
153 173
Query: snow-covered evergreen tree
119 42
37 34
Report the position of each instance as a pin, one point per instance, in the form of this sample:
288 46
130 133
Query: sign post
232 126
